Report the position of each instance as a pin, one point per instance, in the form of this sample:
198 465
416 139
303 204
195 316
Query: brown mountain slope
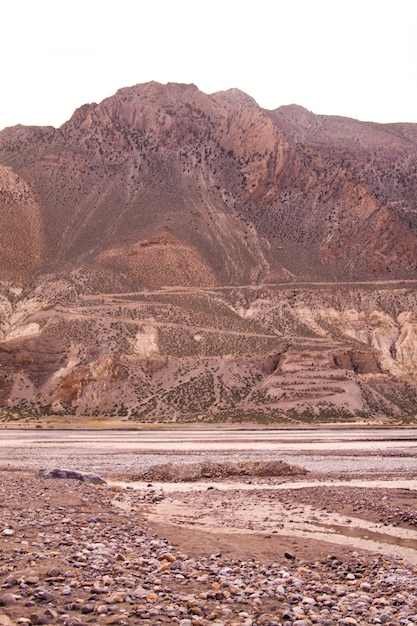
168 254
257 193
21 233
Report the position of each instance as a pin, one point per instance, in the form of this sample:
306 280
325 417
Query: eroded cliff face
263 353
391 337
168 254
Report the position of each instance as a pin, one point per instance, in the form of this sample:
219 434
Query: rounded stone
7 599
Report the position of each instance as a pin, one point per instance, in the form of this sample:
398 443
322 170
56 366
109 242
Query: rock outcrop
84 477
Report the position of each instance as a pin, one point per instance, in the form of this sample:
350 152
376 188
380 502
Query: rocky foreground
79 553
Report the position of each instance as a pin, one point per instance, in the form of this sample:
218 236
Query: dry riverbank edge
249 551
60 422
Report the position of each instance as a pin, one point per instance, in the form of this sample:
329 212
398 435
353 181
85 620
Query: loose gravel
73 553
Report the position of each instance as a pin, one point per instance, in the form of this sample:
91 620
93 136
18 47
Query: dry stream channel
360 490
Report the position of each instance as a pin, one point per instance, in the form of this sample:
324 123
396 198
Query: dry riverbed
335 545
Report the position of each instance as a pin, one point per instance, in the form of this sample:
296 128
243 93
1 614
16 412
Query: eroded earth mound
191 472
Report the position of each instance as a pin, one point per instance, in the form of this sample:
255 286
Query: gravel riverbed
250 551
75 553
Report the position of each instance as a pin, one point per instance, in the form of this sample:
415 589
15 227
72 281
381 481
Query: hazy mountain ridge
197 205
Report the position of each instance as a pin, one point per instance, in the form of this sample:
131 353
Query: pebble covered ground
74 553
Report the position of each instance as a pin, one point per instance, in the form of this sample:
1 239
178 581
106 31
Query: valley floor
337 545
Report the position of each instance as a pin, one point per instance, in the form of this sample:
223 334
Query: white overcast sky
356 58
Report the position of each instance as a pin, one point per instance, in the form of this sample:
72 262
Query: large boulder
72 474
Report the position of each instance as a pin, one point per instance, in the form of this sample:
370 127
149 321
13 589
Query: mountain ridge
190 202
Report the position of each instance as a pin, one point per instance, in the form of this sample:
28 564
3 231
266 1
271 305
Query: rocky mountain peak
203 246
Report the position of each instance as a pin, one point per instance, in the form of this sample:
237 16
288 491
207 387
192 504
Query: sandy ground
359 490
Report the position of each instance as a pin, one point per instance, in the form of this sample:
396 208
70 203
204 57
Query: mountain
171 255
